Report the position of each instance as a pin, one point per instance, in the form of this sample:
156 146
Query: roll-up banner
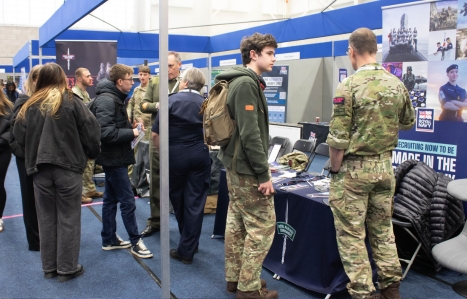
425 45
96 56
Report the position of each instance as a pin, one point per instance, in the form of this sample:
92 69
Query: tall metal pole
164 143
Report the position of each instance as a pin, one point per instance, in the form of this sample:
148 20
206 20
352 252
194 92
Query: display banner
425 45
276 92
96 56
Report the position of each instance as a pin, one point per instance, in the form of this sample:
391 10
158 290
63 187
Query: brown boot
261 294
85 199
232 286
391 291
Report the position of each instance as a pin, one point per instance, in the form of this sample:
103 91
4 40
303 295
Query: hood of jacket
106 86
238 71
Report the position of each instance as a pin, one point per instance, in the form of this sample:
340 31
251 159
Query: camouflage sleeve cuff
150 108
340 144
406 127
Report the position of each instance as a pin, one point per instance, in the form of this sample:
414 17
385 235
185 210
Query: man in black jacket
116 154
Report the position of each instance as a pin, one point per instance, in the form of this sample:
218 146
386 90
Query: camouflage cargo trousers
362 192
88 183
249 231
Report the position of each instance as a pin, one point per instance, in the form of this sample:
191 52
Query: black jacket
5 122
116 131
422 199
67 140
16 149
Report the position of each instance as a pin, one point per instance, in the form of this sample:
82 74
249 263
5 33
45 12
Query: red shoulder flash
338 101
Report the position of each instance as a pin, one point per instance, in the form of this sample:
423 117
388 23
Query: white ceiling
196 17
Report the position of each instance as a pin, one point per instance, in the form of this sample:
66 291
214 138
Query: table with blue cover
311 260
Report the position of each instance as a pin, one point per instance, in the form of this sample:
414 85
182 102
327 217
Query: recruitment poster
96 56
425 46
276 92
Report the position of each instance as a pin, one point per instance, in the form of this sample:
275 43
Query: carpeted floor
117 274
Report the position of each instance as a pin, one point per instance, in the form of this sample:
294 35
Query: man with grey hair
150 104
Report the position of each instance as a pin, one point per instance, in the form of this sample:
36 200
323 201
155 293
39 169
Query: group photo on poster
442 45
405 33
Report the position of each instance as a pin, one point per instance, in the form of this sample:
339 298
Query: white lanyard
175 87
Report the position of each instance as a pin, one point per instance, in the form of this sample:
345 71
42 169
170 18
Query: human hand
266 188
136 132
157 105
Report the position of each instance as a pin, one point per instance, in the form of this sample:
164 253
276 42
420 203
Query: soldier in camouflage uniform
251 218
369 109
83 80
134 110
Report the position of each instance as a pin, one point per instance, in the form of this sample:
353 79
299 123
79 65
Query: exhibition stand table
304 250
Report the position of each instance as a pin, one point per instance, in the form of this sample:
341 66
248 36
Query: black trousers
29 205
5 157
189 175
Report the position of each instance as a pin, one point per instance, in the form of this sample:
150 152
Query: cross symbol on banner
68 57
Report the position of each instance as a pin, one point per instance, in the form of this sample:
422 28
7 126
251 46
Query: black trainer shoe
148 231
66 277
49 275
120 244
140 250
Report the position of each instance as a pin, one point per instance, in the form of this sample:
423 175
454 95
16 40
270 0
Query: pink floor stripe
84 205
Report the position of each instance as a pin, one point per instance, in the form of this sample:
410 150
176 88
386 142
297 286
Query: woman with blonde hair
26 182
58 134
5 152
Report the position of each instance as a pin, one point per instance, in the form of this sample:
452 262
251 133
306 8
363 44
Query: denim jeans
118 190
58 204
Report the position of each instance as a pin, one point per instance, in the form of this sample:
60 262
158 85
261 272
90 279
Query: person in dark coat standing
190 165
26 182
5 152
117 134
58 134
11 92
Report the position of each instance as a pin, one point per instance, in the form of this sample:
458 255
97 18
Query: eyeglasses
347 51
131 79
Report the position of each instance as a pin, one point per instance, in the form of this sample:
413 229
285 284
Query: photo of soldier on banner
442 45
415 80
394 68
462 15
96 56
446 92
461 45
405 33
443 15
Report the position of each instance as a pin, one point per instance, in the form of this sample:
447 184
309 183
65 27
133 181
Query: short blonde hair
144 69
194 77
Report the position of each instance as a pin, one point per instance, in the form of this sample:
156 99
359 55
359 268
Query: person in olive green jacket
150 104
251 218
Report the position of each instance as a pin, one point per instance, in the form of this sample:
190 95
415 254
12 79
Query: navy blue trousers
118 190
189 175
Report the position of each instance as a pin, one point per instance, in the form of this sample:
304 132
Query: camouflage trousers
362 192
88 183
249 231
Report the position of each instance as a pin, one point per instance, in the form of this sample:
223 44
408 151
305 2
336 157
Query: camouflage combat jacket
369 109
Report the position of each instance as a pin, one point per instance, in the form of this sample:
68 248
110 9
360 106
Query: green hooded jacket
247 105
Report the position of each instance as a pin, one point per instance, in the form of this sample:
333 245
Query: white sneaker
140 250
2 226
